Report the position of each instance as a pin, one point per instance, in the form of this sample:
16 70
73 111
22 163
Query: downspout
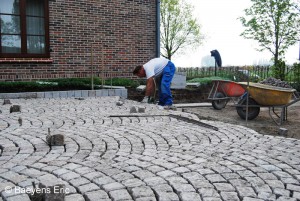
157 28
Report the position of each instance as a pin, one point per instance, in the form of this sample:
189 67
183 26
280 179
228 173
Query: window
24 28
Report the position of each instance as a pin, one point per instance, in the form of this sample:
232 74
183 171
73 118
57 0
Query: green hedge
63 84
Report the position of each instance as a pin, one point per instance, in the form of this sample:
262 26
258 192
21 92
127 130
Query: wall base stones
66 94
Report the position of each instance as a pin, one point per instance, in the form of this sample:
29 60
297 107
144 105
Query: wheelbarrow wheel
219 104
252 111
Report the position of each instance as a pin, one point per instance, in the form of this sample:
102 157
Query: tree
178 27
275 25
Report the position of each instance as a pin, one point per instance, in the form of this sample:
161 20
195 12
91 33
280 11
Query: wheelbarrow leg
282 117
213 90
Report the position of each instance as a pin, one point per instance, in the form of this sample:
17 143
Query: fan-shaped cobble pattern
112 154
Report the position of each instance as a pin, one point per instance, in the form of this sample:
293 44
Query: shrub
63 84
122 82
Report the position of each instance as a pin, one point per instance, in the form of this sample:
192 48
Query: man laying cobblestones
162 70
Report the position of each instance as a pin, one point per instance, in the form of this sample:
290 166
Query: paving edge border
67 94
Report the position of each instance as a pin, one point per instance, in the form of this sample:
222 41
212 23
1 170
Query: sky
222 29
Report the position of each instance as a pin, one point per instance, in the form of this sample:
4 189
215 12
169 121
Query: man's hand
150 87
145 100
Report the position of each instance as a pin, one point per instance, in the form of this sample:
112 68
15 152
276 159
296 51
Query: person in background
160 72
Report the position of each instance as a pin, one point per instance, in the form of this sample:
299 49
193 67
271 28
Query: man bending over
162 70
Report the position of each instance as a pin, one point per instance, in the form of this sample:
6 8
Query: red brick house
73 38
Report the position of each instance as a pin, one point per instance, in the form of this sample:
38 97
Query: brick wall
122 33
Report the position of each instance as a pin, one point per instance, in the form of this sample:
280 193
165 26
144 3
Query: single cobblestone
139 192
23 197
79 181
113 186
96 195
73 197
88 187
167 196
120 195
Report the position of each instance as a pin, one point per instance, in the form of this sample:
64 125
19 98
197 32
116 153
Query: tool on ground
180 118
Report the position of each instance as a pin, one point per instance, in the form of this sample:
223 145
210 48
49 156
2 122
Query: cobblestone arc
112 154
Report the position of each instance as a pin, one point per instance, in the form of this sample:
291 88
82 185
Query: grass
206 80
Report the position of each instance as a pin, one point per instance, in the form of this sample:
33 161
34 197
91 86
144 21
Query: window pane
36 44
11 44
35 26
10 24
9 6
35 7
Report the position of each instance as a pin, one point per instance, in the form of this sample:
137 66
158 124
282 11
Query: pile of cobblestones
275 82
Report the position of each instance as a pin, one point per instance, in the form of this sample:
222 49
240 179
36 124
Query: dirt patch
191 95
263 124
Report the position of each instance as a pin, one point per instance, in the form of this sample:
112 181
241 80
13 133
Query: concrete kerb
67 94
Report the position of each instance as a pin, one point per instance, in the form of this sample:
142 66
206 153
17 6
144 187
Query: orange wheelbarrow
223 91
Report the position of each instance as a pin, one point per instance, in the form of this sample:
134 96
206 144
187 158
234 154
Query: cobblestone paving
141 156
